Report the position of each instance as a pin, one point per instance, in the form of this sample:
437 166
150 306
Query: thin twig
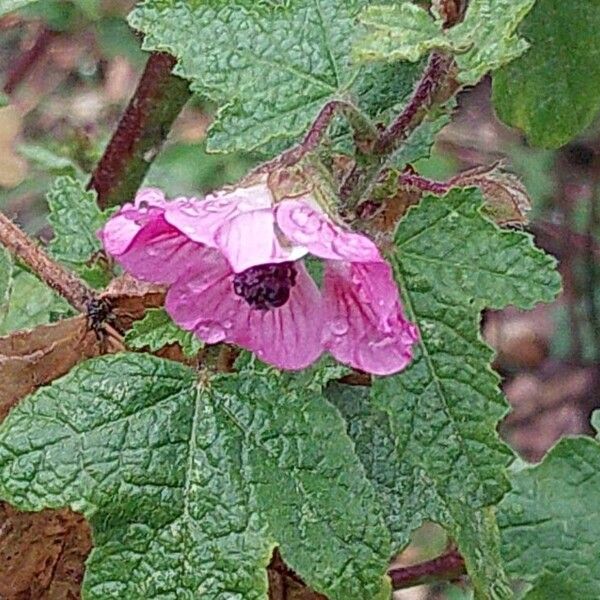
436 86
142 130
360 124
434 79
412 180
69 286
23 65
448 567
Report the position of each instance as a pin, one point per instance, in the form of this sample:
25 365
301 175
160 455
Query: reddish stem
448 567
26 61
413 180
434 79
142 130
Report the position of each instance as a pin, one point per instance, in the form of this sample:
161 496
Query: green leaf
7 6
30 302
550 533
49 161
427 436
409 496
156 330
271 66
188 485
484 41
6 280
551 92
75 218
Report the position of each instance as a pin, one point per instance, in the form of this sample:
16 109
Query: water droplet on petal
227 324
339 326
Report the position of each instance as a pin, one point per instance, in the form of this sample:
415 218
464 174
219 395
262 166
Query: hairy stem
447 567
434 86
414 181
361 125
142 130
69 286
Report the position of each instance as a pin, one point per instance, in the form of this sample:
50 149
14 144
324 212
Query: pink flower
233 263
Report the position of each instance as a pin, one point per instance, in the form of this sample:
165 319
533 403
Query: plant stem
431 88
142 130
436 85
360 124
447 567
69 286
26 61
412 180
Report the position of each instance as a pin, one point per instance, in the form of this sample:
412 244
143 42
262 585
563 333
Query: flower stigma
266 286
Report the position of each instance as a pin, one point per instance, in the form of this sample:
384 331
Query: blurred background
68 68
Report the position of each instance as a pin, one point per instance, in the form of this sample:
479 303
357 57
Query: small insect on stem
99 314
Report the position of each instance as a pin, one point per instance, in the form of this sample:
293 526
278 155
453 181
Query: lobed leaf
551 92
75 219
484 41
271 66
188 485
427 436
157 330
549 524
29 302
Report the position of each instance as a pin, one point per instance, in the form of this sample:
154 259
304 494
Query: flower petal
365 326
240 223
304 224
288 337
140 239
249 239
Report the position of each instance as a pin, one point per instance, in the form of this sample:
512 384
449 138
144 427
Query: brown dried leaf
29 359
507 201
42 555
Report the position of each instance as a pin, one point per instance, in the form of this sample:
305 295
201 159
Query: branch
447 567
141 132
26 61
69 286
362 127
412 180
435 86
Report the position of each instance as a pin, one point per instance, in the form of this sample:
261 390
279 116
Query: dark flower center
266 286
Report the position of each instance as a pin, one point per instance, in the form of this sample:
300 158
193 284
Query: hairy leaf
549 523
75 219
427 437
407 506
189 485
156 330
271 65
483 42
551 92
29 303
